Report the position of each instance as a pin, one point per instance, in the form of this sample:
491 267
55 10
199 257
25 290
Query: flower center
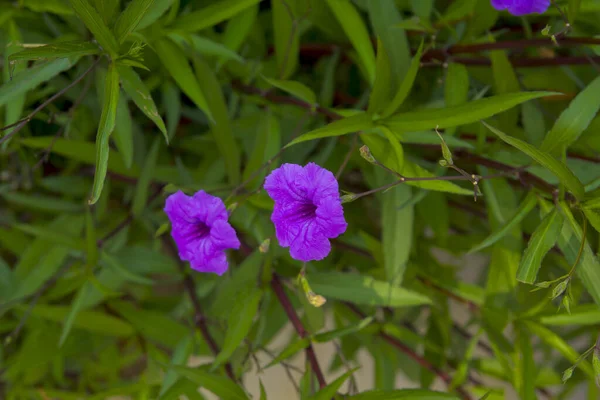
201 230
307 211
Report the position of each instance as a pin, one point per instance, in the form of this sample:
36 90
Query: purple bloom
308 210
522 7
201 231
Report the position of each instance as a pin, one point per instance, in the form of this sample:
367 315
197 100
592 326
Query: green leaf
74 48
153 325
285 16
268 137
105 128
240 320
90 17
91 321
296 89
206 46
584 315
526 206
219 385
403 394
74 310
140 198
556 342
340 127
31 78
291 349
113 263
543 239
176 63
329 391
588 268
553 165
385 20
574 119
180 356
156 10
355 29
458 115
221 129
52 236
573 10
139 93
53 6
456 88
238 29
130 18
526 370
341 332
359 289
211 15
123 132
172 105
381 88
397 232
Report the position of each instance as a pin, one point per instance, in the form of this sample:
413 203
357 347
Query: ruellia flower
522 7
201 231
308 210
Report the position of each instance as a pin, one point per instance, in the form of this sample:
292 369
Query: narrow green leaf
574 119
340 127
285 15
206 46
74 310
380 95
219 385
593 217
526 369
113 263
180 356
52 236
221 129
291 349
329 391
543 239
556 342
59 7
90 17
385 19
90 239
355 29
397 232
74 48
243 311
459 115
238 29
105 128
176 63
156 10
456 88
588 268
546 160
573 10
139 93
212 14
91 321
584 315
403 394
268 137
296 89
130 18
123 132
359 289
341 332
140 198
526 206
263 393
31 78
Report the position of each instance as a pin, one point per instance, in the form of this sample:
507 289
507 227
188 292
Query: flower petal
208 209
288 220
330 217
310 244
502 4
216 264
223 235
178 208
320 183
523 7
286 184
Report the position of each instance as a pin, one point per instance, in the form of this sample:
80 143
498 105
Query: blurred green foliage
110 105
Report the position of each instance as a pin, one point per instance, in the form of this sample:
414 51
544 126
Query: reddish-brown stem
293 317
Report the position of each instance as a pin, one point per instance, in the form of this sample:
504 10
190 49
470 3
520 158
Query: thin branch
293 317
55 96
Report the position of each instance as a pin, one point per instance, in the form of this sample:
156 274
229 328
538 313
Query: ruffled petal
208 209
216 264
178 208
523 7
288 219
223 236
320 183
502 4
310 244
330 217
286 184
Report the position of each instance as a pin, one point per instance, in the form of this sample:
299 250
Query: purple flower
522 7
201 231
308 210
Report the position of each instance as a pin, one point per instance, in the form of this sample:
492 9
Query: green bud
560 288
264 246
443 163
546 30
347 198
366 154
567 374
